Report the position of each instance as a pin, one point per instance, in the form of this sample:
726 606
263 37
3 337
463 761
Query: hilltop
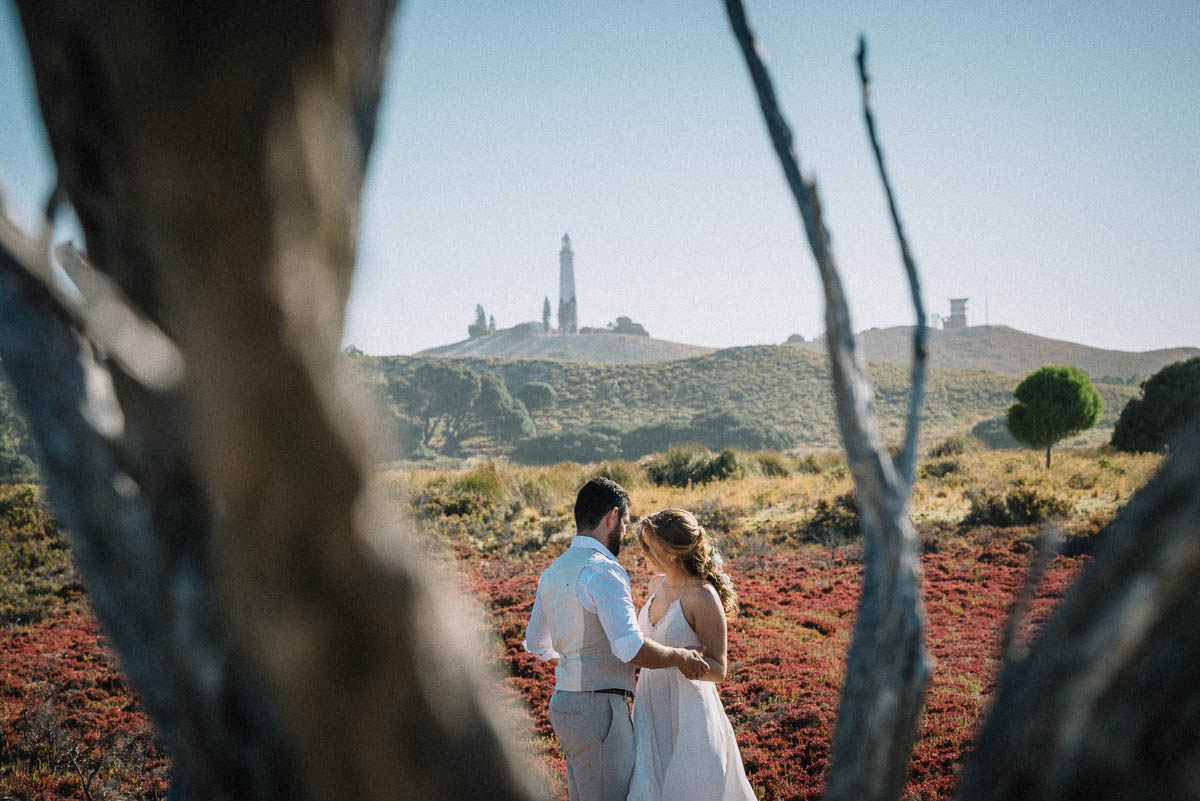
787 387
1000 349
520 342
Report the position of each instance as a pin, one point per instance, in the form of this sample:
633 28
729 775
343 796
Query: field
68 721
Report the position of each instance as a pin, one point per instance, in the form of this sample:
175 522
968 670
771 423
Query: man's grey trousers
596 735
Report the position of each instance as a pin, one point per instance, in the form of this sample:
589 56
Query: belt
615 691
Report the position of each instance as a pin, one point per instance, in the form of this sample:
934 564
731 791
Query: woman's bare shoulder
701 596
655 581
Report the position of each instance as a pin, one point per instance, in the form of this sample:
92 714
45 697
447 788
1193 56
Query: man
583 617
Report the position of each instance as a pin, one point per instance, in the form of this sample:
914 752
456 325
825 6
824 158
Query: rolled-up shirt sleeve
537 633
605 590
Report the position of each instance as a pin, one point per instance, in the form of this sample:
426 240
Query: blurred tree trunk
286 640
1106 703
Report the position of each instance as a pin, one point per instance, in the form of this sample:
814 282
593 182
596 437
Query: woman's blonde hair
679 533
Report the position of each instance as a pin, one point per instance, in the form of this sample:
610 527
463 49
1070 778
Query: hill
1000 349
521 342
785 386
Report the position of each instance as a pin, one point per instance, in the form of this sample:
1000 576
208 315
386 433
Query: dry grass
493 505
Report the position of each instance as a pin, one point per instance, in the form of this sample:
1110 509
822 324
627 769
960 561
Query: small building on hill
958 314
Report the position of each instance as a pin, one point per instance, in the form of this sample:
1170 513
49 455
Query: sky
1045 158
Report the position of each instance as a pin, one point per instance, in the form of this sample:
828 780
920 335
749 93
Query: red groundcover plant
70 728
788 648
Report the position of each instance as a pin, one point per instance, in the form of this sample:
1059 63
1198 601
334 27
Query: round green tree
1169 399
1053 402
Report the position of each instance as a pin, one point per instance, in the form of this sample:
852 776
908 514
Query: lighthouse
568 320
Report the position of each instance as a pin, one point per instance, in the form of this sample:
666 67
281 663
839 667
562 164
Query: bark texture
285 638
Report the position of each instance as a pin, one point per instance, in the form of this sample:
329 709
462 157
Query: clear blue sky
1045 156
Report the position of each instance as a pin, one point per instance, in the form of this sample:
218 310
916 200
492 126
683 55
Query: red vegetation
68 721
69 726
787 651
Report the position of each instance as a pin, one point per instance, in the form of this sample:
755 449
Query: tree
1053 402
537 395
1168 400
546 315
480 326
285 635
625 325
455 403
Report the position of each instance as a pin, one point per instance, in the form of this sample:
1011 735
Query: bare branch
887 668
908 457
1047 549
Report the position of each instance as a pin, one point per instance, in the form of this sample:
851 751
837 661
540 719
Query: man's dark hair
594 500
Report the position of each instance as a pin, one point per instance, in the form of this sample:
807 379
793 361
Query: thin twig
908 457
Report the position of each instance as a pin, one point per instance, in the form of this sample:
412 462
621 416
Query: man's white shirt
603 588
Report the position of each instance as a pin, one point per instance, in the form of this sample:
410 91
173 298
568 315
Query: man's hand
692 664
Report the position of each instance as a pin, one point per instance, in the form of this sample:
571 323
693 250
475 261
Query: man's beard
614 540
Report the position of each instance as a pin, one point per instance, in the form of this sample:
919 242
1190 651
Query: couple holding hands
678 742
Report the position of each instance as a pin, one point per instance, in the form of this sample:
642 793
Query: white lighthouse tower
568 320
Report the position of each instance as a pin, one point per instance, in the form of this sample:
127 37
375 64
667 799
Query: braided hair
679 533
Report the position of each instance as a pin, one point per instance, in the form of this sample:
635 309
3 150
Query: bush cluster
1021 506
716 429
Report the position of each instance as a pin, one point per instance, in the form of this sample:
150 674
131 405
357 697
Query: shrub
715 429
808 465
834 521
683 465
17 468
771 464
953 445
1021 506
573 444
1168 400
940 468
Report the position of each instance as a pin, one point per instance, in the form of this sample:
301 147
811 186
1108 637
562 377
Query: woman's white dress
684 743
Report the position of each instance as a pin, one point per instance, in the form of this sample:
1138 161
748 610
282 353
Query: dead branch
908 456
887 668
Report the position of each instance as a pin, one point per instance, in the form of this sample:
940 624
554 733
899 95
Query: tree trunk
1105 704
285 637
1048 447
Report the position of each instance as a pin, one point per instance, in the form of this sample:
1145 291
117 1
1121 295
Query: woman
685 748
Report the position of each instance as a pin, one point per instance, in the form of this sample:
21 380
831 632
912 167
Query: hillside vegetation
783 386
522 342
1000 349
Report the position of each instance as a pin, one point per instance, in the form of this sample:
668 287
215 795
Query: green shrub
808 465
1168 399
1021 506
483 480
37 570
953 445
836 520
17 468
573 444
684 465
940 468
771 464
